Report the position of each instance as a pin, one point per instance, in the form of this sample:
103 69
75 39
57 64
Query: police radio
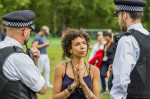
28 52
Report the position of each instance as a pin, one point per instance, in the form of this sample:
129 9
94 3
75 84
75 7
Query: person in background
97 46
96 56
76 79
131 66
19 77
41 43
109 31
3 33
109 52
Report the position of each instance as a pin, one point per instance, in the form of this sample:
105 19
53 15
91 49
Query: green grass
55 55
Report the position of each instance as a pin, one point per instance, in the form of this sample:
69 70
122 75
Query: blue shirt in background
41 40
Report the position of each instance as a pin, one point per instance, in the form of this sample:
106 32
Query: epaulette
128 32
118 36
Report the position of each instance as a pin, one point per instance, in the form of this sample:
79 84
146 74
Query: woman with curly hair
76 79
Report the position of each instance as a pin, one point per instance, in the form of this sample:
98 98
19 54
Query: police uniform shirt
20 66
126 56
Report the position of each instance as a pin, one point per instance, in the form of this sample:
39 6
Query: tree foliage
60 14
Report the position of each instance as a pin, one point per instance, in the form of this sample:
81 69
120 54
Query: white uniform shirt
20 66
95 49
126 56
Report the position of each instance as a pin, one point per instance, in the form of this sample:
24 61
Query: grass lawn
55 55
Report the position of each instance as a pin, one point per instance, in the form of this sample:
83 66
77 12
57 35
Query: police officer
19 77
131 66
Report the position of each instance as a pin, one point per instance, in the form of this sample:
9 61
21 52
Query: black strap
129 32
5 53
18 49
66 68
89 68
90 76
118 36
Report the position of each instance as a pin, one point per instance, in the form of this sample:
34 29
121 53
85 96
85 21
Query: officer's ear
125 15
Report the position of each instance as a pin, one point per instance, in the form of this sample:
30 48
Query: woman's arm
57 88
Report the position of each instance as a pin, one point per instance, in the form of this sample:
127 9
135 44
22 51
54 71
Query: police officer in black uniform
19 77
131 66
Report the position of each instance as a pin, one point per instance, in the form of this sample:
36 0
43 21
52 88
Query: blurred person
97 46
96 56
3 33
41 43
76 79
109 31
131 63
19 77
109 52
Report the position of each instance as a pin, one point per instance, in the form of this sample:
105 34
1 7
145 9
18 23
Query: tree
61 14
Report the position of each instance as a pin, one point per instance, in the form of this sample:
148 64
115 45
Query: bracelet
89 96
70 90
66 94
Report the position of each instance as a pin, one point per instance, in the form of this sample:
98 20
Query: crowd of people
127 58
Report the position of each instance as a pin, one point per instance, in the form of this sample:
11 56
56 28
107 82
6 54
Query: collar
135 26
12 42
139 27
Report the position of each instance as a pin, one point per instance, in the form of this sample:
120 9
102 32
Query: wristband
70 90
89 96
66 94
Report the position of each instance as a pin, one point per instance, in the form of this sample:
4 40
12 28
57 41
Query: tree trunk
53 18
62 18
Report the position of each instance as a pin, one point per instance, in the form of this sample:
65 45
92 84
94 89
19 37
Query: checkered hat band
129 8
18 24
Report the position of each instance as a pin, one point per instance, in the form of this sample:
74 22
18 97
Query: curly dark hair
69 35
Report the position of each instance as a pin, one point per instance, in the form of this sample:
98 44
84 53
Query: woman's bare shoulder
60 70
61 66
94 70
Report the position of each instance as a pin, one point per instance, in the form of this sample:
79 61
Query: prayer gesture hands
79 78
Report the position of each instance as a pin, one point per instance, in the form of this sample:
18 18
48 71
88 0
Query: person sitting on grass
76 79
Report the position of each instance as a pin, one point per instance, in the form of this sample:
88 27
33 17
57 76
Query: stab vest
12 89
139 86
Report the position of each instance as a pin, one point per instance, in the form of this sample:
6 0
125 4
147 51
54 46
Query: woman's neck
78 62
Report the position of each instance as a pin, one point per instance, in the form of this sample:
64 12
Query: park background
61 14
